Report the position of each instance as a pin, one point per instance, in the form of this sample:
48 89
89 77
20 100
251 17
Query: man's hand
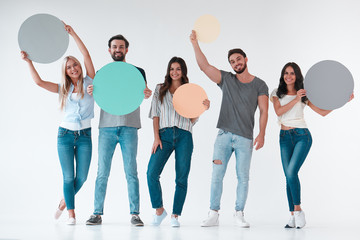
147 92
259 141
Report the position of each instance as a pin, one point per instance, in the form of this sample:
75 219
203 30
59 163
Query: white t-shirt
295 116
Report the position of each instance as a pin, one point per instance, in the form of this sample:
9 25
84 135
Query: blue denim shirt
80 108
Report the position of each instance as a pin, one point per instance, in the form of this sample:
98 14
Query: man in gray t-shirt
242 94
113 130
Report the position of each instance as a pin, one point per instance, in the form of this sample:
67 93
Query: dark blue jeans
294 146
74 144
172 139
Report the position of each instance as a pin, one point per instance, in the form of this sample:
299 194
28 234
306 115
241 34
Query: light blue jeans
226 143
109 137
70 145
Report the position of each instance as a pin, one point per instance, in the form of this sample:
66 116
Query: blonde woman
74 136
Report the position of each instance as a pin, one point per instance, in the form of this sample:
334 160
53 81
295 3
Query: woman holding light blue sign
289 101
74 135
171 132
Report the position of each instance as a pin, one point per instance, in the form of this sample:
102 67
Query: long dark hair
168 81
299 82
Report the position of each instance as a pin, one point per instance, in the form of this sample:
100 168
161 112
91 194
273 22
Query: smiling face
238 62
289 76
73 69
118 50
175 72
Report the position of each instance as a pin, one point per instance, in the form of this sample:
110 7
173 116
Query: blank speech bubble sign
207 28
188 100
329 84
43 37
118 88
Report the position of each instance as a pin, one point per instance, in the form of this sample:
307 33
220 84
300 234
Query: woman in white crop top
289 101
74 135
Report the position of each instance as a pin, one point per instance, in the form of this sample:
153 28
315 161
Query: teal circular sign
118 88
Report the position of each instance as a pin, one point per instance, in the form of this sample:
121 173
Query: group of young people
242 94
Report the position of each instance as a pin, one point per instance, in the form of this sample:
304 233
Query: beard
118 58
242 69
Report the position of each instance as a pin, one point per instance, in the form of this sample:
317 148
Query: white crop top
295 116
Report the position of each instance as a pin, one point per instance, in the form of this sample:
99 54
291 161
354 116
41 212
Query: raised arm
50 86
263 102
90 71
280 110
212 72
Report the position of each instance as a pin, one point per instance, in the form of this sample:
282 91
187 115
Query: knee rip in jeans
217 162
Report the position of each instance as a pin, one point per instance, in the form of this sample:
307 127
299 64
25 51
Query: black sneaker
136 221
94 220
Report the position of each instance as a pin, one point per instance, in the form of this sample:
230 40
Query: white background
272 33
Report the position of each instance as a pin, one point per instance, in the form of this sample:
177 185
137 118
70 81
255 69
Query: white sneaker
174 221
299 219
71 221
240 220
158 219
58 213
291 223
212 219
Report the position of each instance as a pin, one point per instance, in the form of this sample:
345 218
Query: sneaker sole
90 223
138 225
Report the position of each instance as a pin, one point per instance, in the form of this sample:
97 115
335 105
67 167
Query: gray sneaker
136 221
94 220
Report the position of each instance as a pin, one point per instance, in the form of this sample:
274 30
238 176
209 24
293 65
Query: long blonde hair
66 82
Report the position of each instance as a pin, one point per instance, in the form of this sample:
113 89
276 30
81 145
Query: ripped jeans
226 143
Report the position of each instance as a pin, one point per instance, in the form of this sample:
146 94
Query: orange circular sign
188 100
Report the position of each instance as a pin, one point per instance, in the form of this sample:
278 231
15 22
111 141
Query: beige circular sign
207 28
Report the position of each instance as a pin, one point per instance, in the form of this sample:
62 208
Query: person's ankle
62 204
159 211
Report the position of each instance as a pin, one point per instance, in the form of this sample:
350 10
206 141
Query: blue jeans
226 143
172 139
72 144
109 137
294 146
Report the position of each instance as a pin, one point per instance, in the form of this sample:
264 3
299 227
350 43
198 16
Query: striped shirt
168 117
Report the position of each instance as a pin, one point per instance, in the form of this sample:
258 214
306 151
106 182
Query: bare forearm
263 121
156 127
280 110
200 57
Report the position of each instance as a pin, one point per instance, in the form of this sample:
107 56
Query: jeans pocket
301 131
221 132
87 132
161 131
62 132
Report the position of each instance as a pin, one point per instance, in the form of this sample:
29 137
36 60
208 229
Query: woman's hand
206 103
68 28
299 94
24 56
155 145
351 97
90 89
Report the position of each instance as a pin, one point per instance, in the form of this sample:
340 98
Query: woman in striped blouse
171 132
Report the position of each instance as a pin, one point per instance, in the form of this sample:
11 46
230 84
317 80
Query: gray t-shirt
239 103
129 120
